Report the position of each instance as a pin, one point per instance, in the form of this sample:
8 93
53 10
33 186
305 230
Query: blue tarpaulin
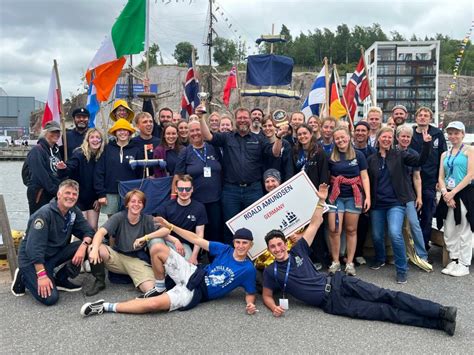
157 191
269 70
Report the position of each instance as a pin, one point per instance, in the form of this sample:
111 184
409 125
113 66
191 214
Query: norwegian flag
357 89
190 99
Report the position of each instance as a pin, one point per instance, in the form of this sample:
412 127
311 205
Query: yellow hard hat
124 104
122 123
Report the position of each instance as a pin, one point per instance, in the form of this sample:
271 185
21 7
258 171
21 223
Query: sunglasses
182 189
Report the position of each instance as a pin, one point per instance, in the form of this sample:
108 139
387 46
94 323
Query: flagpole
326 77
61 110
237 83
351 121
362 52
147 46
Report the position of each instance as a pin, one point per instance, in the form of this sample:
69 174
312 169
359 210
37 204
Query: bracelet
40 271
320 205
85 243
146 238
276 136
171 228
41 274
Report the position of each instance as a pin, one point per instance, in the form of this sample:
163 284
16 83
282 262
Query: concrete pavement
223 327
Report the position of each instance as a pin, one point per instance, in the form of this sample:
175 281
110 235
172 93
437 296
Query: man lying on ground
293 273
229 270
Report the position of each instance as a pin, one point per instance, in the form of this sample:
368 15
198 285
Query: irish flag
52 109
127 37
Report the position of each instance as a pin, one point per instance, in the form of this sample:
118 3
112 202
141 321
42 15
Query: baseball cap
457 125
243 233
52 126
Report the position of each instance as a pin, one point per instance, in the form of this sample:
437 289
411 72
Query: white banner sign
289 207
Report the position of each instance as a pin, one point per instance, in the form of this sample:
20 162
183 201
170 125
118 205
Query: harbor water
14 193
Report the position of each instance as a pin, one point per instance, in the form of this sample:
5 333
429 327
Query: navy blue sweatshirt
42 160
112 168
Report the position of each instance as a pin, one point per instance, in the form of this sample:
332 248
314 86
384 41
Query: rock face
170 80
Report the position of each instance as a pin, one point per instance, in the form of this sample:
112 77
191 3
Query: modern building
15 113
404 73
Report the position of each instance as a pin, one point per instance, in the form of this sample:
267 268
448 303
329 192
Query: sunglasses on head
187 189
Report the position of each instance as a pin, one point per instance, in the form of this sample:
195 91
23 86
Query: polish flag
52 110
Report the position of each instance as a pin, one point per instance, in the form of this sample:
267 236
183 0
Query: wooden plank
7 237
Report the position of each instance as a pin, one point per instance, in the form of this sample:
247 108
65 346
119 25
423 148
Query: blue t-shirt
386 197
192 161
305 283
225 273
349 169
186 217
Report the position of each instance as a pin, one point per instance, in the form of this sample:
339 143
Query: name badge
451 183
284 303
207 171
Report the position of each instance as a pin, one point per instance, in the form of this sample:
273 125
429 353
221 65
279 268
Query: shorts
187 249
113 204
137 269
345 204
180 271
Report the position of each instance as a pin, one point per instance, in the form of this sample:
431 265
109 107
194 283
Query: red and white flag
230 84
52 110
357 89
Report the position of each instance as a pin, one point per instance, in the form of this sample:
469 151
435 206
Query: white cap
457 125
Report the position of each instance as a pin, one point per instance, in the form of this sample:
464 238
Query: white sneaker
361 260
449 268
460 270
335 267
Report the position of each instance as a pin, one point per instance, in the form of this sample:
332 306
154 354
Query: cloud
33 33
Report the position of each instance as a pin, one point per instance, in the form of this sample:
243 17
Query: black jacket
317 168
47 233
42 160
401 181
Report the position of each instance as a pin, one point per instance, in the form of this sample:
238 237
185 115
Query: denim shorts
345 204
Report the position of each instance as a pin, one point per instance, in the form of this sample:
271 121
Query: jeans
352 297
416 233
395 217
236 198
428 196
30 279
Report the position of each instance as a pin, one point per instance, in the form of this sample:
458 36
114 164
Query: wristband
85 243
146 238
40 271
171 228
276 135
320 205
41 274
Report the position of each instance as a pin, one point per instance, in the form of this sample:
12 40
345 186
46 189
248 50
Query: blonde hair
375 109
350 154
382 131
404 128
229 117
423 108
141 115
88 153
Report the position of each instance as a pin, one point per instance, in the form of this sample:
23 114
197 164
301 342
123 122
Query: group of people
220 165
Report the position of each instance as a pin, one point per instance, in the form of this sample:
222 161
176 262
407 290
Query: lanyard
451 166
202 158
285 281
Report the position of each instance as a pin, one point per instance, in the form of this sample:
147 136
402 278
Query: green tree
343 41
397 36
279 47
152 57
225 51
182 52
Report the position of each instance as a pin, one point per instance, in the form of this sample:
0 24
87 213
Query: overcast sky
33 32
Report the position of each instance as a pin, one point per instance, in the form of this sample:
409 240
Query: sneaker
18 287
334 267
151 293
67 286
460 270
448 313
450 267
350 269
377 265
361 260
401 279
91 308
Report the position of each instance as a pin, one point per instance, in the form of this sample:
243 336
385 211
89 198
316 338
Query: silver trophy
203 97
279 118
